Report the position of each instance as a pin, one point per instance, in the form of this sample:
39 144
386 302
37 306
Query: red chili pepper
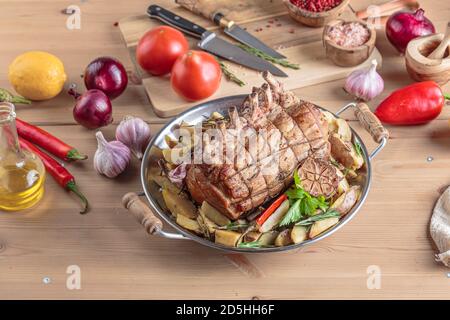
47 141
271 209
64 178
417 103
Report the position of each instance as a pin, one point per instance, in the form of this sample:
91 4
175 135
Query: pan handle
371 123
145 216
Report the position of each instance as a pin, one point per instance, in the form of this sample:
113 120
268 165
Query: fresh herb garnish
252 244
321 216
358 148
302 203
265 56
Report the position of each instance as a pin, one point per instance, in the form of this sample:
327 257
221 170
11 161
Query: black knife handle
170 18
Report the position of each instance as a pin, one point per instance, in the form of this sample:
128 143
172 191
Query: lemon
37 75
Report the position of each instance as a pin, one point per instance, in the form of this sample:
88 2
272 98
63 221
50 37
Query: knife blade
210 42
233 30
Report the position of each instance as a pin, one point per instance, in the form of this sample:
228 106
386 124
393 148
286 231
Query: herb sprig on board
265 56
229 74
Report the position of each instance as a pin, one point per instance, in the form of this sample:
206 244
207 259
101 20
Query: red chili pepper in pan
64 178
47 141
417 103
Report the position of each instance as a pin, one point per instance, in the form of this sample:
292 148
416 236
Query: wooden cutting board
271 23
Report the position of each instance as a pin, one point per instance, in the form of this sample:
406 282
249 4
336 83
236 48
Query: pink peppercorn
316 5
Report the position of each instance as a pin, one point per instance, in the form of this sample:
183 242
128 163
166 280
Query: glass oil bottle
22 173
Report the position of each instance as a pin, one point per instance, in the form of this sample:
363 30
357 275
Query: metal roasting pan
152 223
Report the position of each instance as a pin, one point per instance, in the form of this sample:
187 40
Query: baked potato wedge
322 225
283 238
189 224
268 238
299 234
214 215
343 130
178 204
177 155
347 200
343 185
331 120
227 237
252 236
345 153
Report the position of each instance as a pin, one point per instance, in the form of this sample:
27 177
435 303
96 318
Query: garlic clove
135 134
365 84
111 158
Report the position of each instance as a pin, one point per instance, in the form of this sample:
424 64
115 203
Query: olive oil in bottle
22 173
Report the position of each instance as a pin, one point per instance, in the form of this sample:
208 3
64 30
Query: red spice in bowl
349 35
316 5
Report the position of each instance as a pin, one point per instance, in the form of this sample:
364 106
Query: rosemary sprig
321 216
252 244
265 56
233 226
358 148
229 74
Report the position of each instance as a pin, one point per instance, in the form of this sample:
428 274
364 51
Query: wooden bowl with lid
315 19
348 56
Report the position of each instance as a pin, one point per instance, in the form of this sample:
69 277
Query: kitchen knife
212 43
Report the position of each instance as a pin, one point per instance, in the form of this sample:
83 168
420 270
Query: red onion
106 74
93 109
404 26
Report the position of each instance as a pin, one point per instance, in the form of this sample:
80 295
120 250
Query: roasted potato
331 119
343 183
283 238
179 204
275 218
347 200
345 153
171 142
343 130
268 238
299 234
177 155
215 216
165 183
322 225
227 237
252 236
189 224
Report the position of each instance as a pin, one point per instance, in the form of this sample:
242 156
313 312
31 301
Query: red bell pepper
417 103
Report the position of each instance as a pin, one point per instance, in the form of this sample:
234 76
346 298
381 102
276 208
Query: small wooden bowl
315 19
420 67
348 57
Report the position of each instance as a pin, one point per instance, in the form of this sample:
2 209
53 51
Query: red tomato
196 75
159 48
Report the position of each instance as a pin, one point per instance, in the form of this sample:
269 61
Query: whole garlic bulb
134 133
365 84
440 227
111 158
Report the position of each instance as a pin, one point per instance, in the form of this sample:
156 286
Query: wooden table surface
118 260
